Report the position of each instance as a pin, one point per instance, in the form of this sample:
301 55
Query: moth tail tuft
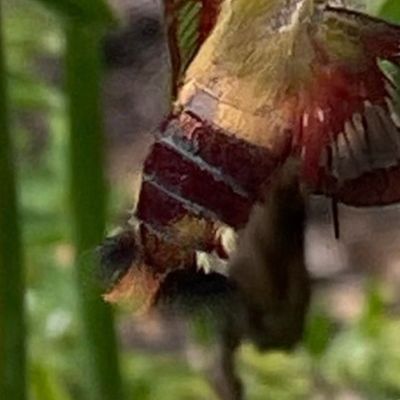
116 255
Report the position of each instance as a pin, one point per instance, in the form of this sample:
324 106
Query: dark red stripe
157 208
172 37
209 14
249 165
187 179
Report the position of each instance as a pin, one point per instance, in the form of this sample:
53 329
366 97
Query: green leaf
90 10
318 334
46 385
390 10
32 94
372 319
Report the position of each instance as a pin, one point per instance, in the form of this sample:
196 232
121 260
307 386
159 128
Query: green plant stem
83 76
12 321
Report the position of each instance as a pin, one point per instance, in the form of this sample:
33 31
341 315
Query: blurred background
352 346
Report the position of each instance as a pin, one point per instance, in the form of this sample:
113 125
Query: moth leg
223 374
208 301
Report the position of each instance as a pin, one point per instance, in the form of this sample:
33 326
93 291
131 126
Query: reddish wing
189 22
349 131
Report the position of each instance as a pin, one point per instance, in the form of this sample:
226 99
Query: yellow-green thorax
266 41
259 52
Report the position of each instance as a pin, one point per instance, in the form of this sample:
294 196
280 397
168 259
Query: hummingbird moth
257 83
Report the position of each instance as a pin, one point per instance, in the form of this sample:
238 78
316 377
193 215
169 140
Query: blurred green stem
83 70
12 322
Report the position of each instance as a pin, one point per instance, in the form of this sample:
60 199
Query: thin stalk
83 77
12 321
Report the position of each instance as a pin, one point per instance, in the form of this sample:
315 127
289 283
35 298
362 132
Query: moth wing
189 22
349 125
